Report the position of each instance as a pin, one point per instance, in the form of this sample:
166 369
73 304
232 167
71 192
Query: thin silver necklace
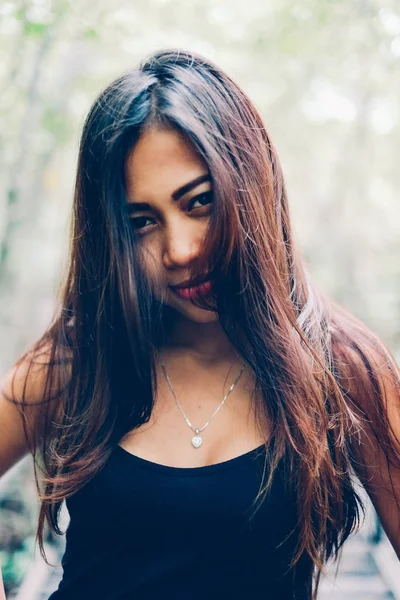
197 440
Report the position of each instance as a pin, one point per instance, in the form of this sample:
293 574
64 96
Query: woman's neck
206 343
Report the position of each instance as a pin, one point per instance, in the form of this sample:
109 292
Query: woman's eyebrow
184 189
181 191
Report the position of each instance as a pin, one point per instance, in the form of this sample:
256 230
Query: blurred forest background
325 76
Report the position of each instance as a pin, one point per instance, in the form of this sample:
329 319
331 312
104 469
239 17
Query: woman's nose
182 242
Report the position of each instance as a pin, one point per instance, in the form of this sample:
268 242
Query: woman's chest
145 503
187 521
226 429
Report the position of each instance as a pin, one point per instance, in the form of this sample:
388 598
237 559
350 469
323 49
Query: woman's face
169 198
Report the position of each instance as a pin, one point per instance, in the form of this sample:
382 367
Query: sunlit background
325 75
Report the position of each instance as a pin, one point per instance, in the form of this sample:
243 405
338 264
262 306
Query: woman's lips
204 289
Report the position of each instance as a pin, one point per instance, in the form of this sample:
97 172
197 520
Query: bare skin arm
13 443
2 592
377 479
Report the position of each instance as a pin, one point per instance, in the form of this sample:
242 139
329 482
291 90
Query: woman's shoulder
370 379
29 390
361 360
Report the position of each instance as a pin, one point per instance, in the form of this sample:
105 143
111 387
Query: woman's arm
382 482
25 379
28 378
13 442
2 592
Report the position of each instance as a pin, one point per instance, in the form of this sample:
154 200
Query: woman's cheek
152 270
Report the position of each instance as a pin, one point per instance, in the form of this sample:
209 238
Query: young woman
198 403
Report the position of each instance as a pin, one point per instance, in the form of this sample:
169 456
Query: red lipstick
204 289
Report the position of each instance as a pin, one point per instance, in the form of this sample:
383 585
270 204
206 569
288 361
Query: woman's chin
194 313
203 316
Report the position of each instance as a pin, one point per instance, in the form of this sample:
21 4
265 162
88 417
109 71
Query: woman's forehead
161 160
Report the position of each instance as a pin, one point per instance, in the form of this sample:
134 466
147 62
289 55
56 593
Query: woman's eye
203 199
139 223
143 223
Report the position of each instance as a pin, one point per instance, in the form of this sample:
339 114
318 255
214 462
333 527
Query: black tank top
142 531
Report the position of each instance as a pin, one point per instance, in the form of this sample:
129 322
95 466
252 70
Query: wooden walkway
359 576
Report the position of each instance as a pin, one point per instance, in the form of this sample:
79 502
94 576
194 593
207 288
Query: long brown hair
304 349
